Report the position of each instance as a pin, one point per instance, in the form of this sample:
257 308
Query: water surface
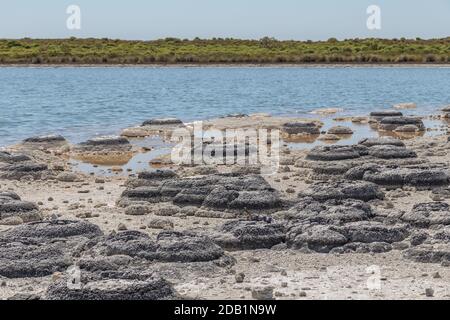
83 102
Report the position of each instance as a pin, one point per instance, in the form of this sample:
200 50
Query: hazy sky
283 19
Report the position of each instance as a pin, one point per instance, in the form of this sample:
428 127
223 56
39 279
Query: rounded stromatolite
162 122
48 139
8 157
330 212
301 128
378 115
394 178
219 192
22 259
340 130
426 214
341 190
336 153
392 123
17 171
11 206
104 142
167 247
49 230
391 152
151 288
383 141
249 235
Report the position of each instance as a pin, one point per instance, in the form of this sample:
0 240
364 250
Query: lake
79 103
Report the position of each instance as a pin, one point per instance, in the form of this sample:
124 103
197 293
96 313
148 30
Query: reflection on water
118 159
154 152
434 128
37 101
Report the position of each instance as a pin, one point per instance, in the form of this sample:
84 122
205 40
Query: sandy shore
294 268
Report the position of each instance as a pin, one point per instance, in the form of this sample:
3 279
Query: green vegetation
227 51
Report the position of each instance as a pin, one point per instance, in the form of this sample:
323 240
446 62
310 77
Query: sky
250 19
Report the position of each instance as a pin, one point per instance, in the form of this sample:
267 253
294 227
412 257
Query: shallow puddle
361 131
149 149
152 151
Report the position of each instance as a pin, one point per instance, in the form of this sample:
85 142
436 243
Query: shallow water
83 102
139 162
360 131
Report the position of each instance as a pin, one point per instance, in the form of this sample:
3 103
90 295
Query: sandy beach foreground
368 220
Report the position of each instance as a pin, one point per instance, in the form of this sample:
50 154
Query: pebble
122 227
265 293
240 277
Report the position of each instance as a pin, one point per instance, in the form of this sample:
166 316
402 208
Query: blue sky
283 19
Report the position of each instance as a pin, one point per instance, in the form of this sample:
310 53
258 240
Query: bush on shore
228 51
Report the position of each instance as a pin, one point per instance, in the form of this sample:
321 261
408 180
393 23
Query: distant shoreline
235 65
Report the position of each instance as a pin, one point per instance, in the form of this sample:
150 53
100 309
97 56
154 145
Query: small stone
11 221
265 293
437 197
137 210
74 206
159 223
67 177
122 227
340 130
56 276
50 199
389 205
429 292
302 294
436 275
240 277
